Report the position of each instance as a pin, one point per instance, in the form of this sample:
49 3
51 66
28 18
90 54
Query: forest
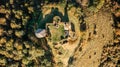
77 33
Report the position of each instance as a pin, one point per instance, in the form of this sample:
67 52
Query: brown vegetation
91 42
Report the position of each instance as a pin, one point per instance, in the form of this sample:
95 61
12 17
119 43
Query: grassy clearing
56 32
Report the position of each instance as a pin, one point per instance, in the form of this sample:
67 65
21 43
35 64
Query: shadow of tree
37 16
73 27
71 59
65 17
82 26
49 17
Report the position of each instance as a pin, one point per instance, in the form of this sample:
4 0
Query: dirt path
92 48
99 33
69 48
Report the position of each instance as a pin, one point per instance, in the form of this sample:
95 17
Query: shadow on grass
65 17
49 17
